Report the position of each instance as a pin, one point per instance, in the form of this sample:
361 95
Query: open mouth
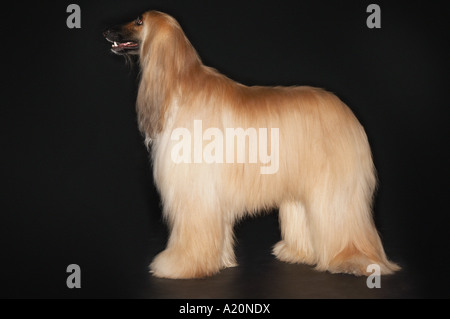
123 46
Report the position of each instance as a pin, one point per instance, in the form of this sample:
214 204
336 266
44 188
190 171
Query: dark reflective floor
114 264
260 275
120 271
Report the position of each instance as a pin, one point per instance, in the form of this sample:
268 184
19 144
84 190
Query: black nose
113 34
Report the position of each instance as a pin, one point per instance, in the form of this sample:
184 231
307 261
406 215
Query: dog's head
127 38
166 58
134 37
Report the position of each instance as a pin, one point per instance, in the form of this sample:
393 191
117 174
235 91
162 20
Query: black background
77 182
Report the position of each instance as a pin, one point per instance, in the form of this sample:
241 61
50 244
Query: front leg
196 245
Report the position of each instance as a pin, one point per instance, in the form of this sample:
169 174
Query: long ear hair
167 58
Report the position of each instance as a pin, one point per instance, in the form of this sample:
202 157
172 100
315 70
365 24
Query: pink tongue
127 44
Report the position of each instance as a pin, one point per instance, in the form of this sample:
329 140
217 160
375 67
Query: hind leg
344 235
296 245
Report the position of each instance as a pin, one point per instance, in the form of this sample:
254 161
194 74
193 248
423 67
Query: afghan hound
209 142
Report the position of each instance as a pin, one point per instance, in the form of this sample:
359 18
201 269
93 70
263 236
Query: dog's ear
157 86
167 58
152 101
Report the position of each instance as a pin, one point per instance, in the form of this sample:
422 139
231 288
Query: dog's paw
284 252
175 264
349 267
166 265
357 265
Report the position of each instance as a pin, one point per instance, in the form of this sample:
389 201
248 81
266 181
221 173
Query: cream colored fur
324 186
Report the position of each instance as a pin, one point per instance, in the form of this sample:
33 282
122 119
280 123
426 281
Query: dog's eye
138 21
